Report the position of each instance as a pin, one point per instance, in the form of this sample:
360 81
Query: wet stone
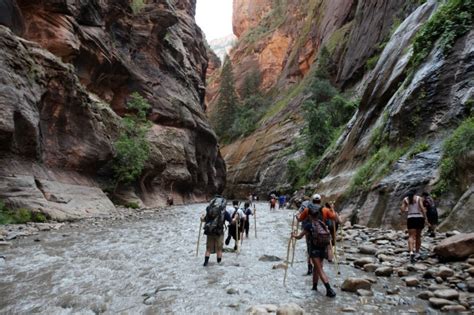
470 261
383 257
445 272
361 262
280 266
367 249
402 272
371 267
470 271
425 295
453 308
429 274
448 294
411 281
290 309
439 303
384 271
348 310
434 287
393 291
232 291
262 309
269 258
439 280
470 285
353 284
3 243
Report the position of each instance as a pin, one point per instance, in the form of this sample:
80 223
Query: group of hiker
274 200
319 224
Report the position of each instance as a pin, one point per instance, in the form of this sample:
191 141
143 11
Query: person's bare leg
417 241
318 265
411 240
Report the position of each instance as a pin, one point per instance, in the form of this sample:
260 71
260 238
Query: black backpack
215 213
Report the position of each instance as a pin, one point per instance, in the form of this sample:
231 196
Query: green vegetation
452 20
137 6
420 147
454 148
19 216
300 172
132 205
379 137
378 166
132 147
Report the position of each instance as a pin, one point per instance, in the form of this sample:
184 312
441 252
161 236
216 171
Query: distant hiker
272 202
169 200
214 219
326 214
413 205
281 201
250 199
431 213
319 239
248 213
236 215
332 226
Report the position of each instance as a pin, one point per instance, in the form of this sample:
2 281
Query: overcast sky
214 17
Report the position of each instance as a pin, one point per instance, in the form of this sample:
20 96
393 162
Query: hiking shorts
318 252
415 223
215 243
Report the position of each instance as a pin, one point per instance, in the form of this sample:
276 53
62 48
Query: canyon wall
69 70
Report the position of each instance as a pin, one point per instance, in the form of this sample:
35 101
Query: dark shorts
415 223
432 216
318 252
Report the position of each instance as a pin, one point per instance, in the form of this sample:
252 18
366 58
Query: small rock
402 272
470 261
361 262
439 303
370 267
425 295
384 271
420 267
37 240
433 287
461 286
445 272
393 291
411 281
363 292
382 242
429 274
150 300
383 257
470 285
348 310
259 310
370 308
367 250
453 308
269 258
353 284
232 291
290 309
448 294
470 271
2 243
439 280
280 266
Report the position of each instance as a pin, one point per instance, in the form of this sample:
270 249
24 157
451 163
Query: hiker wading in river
319 238
413 205
237 217
214 219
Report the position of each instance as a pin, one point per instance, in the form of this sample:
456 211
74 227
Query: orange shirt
327 214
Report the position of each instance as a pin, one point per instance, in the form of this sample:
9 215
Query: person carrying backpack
214 219
431 213
236 215
248 213
319 238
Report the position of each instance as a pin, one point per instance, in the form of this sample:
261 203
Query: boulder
384 271
447 294
353 284
456 247
453 308
367 249
361 262
290 309
445 272
370 267
439 303
425 295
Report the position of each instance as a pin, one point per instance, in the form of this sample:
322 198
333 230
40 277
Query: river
148 266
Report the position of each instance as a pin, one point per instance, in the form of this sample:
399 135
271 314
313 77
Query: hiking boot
310 270
227 240
315 287
330 293
235 247
412 258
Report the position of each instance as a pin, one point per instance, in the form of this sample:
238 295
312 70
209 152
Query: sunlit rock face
286 51
81 62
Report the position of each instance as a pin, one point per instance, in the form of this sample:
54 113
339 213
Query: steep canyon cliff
68 69
401 106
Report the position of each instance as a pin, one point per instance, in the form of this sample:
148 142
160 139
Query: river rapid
146 264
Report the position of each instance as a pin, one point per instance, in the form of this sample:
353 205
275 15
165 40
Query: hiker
248 213
318 234
169 200
413 205
214 219
431 213
305 218
272 202
250 199
330 224
281 201
236 214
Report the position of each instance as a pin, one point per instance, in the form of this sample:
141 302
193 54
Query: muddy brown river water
148 266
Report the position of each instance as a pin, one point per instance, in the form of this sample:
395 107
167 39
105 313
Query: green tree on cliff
227 103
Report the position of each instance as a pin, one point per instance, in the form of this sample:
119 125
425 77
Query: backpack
215 213
320 236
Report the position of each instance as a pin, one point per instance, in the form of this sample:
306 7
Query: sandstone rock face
247 14
59 119
456 247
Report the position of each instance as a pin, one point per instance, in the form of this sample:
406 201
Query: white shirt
231 211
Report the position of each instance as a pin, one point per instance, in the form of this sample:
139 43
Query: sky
214 17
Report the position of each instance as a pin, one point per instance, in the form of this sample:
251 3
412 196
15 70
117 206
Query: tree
227 103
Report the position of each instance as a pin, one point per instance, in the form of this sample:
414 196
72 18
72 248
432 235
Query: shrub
132 205
454 148
132 148
420 147
137 6
19 216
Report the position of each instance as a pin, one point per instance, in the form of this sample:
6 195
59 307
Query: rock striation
65 85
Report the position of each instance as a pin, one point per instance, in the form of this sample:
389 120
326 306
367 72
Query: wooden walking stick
237 232
294 241
255 219
199 238
287 258
335 249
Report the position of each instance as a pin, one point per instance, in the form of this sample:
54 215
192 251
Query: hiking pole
237 233
335 248
294 241
255 219
199 238
287 258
